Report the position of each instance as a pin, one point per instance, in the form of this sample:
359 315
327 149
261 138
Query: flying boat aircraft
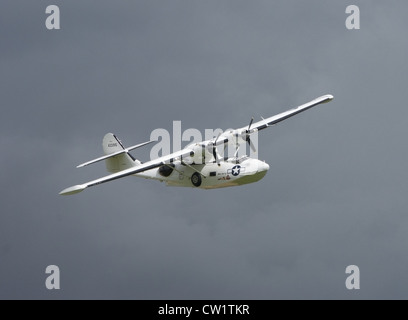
198 165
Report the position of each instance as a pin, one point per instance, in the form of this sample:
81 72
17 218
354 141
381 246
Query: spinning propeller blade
250 123
248 137
214 150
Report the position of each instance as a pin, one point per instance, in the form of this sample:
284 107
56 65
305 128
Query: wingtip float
73 190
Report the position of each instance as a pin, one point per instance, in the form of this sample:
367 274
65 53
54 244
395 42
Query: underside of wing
124 173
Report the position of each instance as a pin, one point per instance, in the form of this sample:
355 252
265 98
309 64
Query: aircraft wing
127 172
264 123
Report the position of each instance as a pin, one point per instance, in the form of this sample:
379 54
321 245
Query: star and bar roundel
236 170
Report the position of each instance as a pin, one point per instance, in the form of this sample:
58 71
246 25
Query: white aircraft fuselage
211 175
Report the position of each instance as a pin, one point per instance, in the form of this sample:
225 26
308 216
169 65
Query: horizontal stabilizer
114 154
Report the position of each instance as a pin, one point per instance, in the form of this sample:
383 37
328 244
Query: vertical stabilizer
112 144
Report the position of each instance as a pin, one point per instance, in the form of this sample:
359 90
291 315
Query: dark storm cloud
335 193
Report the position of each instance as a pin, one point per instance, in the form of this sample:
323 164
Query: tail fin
111 144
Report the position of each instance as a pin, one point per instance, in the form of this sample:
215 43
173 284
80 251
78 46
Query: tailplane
117 157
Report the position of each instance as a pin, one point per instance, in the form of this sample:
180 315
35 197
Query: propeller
214 150
248 137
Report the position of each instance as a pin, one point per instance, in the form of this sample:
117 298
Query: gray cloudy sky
336 191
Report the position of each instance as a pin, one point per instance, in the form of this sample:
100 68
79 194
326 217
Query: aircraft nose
263 166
